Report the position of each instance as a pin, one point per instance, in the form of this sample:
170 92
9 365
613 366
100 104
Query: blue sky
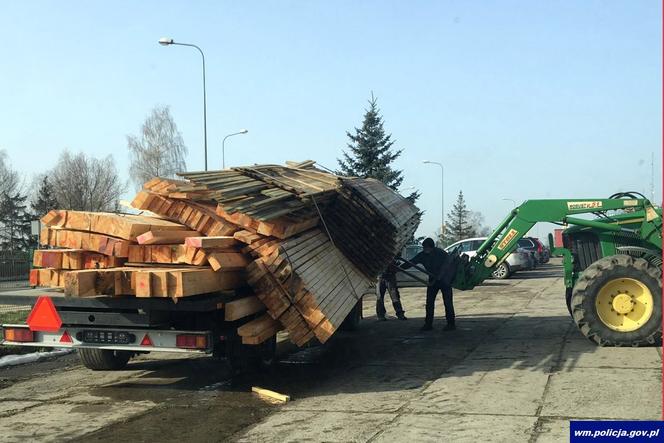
519 99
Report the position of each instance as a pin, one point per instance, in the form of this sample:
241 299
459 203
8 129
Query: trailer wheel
103 359
267 352
249 358
617 301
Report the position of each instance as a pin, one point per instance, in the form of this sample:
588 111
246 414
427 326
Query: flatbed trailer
108 331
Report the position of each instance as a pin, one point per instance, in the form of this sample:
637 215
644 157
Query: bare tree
476 221
86 183
10 182
159 151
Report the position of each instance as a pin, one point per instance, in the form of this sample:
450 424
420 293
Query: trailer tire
103 359
243 358
593 296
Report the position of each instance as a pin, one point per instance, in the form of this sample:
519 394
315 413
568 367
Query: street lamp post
442 195
164 41
223 148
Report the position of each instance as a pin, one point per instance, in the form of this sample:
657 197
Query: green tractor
612 263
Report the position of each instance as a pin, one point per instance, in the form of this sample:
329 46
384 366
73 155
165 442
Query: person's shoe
402 316
381 318
426 328
449 328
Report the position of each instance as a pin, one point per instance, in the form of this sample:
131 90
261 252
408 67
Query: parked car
547 253
405 280
518 260
528 244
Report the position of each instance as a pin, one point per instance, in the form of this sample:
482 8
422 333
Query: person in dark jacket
438 264
388 282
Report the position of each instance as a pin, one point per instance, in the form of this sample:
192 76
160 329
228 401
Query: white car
517 261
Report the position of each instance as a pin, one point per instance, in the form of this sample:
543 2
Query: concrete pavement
515 370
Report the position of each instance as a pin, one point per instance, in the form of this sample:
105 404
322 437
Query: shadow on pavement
380 356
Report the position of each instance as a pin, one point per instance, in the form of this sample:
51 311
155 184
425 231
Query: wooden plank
247 237
74 259
256 326
124 226
270 394
65 238
237 309
165 237
227 260
221 242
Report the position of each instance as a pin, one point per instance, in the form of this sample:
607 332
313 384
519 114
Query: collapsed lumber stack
308 243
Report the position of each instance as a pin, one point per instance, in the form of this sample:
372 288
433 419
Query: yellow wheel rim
624 304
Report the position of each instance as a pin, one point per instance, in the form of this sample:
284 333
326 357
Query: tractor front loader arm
504 239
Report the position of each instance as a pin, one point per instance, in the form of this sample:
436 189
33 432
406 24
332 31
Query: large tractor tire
103 359
568 300
617 301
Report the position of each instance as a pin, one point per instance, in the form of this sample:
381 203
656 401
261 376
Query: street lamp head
243 131
165 41
426 161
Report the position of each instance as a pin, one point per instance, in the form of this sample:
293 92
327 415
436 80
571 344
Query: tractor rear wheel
568 300
617 301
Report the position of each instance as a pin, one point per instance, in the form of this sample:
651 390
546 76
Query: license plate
106 337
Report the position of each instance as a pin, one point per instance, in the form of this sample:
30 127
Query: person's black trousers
389 285
432 291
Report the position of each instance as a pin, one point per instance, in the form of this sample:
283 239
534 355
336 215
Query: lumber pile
137 255
304 244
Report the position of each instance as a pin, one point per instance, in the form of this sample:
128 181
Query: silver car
405 280
518 260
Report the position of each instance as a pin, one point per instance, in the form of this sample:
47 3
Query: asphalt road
515 370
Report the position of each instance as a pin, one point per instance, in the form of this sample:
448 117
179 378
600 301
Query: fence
14 269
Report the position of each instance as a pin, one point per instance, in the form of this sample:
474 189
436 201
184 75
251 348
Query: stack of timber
307 284
371 223
132 255
303 244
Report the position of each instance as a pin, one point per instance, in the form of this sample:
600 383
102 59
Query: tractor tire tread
589 325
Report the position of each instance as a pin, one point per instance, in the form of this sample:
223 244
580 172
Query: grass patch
14 317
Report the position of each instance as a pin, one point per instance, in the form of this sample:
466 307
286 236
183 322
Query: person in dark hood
439 265
388 282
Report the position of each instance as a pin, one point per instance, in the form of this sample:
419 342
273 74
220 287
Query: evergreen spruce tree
45 199
457 224
371 152
14 223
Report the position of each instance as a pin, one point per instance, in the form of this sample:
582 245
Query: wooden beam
228 261
243 307
221 242
165 237
258 325
124 226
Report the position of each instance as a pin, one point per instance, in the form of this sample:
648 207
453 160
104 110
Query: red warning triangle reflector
66 338
44 316
147 341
